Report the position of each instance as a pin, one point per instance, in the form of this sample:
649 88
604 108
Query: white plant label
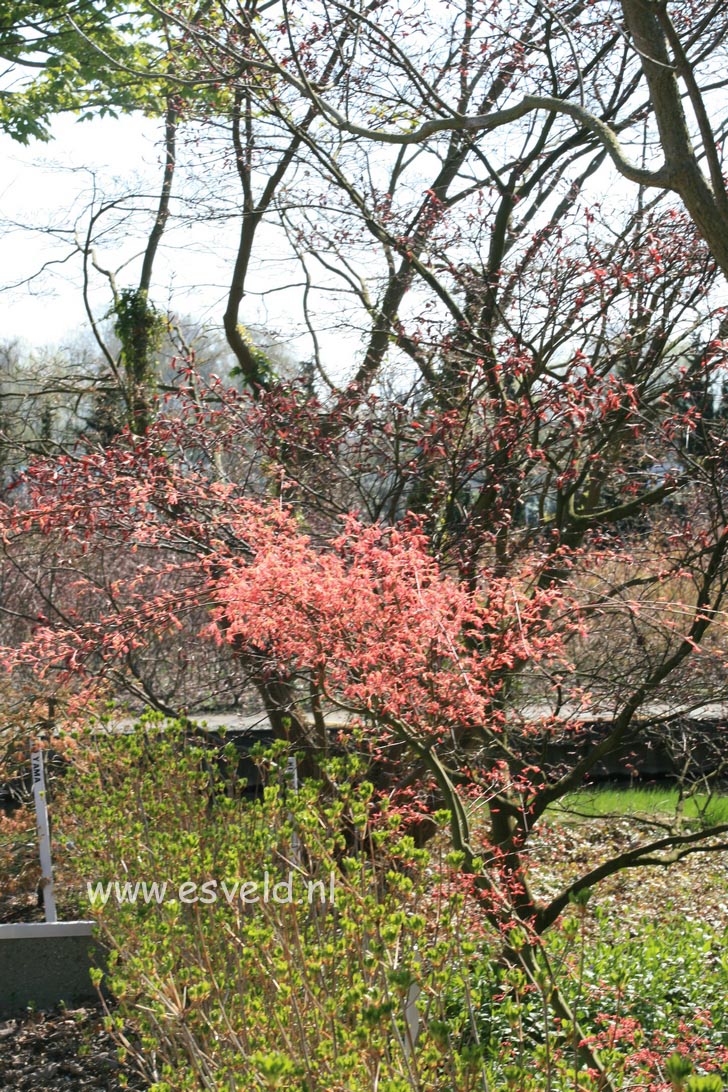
44 835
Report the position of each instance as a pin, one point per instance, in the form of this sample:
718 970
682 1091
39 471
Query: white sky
39 185
49 185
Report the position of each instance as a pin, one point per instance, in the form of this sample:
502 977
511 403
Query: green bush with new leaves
312 993
297 945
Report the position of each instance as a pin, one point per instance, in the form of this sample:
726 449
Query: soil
66 1050
62 1050
695 888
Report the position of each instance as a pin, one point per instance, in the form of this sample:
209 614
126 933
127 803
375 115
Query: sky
39 194
45 192
38 189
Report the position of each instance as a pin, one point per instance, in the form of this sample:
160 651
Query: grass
656 801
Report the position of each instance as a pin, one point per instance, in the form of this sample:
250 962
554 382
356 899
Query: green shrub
307 994
392 984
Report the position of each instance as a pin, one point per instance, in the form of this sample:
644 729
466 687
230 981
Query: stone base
44 963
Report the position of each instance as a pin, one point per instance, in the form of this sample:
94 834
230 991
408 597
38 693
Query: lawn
658 802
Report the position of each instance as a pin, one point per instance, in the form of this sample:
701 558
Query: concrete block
44 963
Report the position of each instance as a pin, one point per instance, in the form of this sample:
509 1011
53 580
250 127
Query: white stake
44 835
292 775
